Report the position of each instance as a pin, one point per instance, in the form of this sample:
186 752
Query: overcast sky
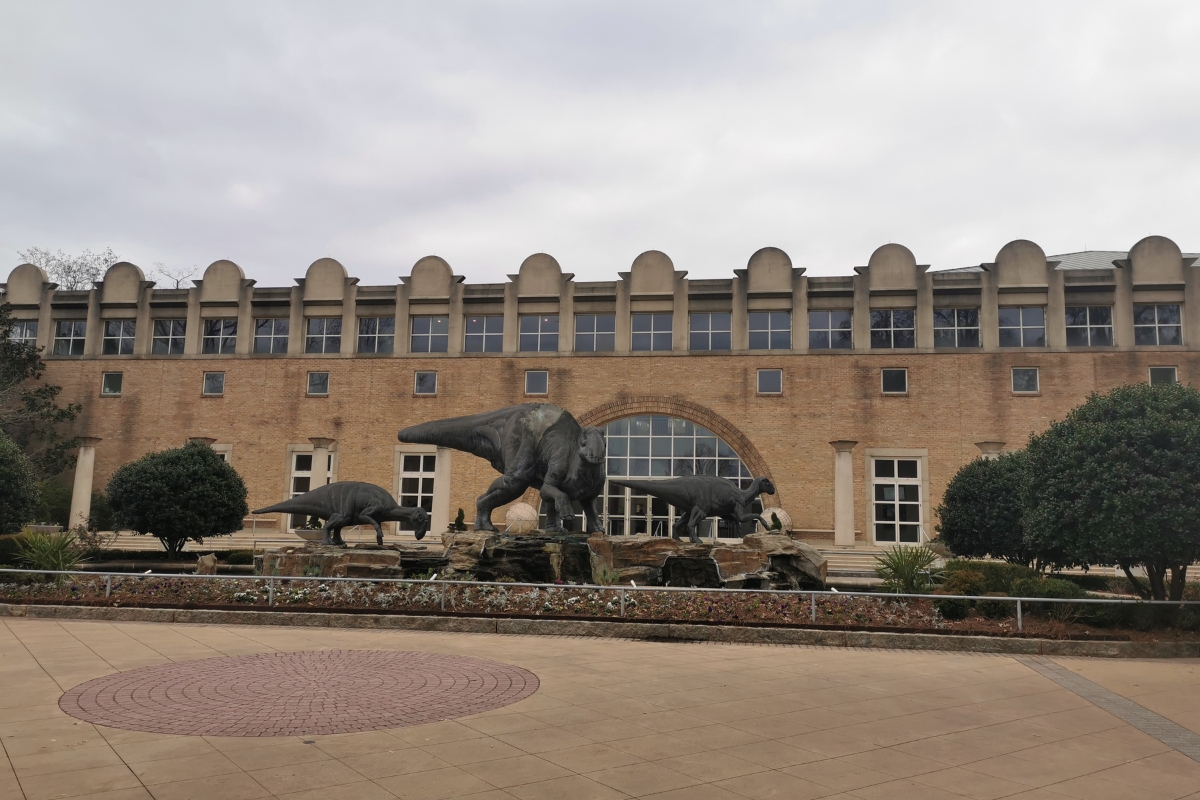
273 134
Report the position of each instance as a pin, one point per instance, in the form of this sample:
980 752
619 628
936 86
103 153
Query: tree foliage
18 489
177 495
70 272
980 512
1115 483
29 409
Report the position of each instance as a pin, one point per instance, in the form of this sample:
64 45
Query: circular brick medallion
290 694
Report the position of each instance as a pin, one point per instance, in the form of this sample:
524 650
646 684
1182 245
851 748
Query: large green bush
997 575
18 489
177 495
980 512
1116 483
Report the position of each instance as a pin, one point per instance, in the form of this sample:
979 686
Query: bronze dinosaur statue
351 503
698 497
535 444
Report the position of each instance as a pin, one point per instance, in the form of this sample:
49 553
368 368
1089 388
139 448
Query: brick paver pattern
298 693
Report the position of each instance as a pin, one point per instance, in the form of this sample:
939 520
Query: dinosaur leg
591 518
333 529
369 516
562 508
503 490
681 523
693 520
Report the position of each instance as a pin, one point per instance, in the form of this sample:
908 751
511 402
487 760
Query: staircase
852 568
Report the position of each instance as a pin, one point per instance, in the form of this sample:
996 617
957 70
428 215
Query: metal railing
623 591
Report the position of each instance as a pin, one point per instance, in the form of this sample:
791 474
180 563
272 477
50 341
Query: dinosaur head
591 445
765 486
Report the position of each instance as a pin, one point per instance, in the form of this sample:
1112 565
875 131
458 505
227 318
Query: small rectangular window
484 335
23 331
770 381
1160 376
537 381
710 331
895 381
1025 380
1157 324
956 327
376 334
318 383
118 337
69 335
430 334
830 330
425 383
271 335
770 330
220 336
323 335
1022 326
538 334
214 383
894 328
651 331
110 384
595 333
168 337
1089 326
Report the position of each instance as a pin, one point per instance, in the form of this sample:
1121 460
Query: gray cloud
376 133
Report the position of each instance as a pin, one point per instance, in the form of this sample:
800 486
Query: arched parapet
892 267
222 282
25 285
431 277
540 275
769 271
1156 261
122 284
652 273
325 280
1021 263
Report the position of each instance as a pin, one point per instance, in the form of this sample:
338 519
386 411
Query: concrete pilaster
843 493
81 493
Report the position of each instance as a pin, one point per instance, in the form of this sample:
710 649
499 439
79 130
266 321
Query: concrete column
624 335
441 516
566 317
85 467
296 322
843 493
192 333
739 319
244 344
989 311
457 324
990 450
350 319
861 322
512 323
799 311
403 332
1056 310
320 468
925 303
1122 309
680 319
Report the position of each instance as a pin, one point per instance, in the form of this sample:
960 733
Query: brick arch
693 412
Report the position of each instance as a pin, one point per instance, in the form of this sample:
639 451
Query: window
484 335
893 328
770 381
220 336
425 383
1157 324
651 331
956 327
830 330
710 331
430 334
770 330
537 381
1161 376
894 381
323 335
595 333
896 496
168 337
1089 326
539 334
118 337
110 384
416 483
318 383
1022 326
1025 380
302 480
271 335
376 334
24 331
214 384
69 335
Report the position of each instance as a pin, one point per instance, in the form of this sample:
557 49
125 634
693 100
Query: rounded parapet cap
325 280
122 283
653 259
652 273
769 270
1156 260
222 280
431 276
25 285
540 274
1019 250
892 255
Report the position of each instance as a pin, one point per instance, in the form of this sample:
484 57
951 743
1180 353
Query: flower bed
575 602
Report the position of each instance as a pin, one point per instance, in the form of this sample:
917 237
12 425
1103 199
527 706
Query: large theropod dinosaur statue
698 497
351 503
535 444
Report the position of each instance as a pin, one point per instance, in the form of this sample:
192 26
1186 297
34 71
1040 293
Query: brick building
859 395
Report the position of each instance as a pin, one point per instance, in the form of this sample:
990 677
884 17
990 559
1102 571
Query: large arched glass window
656 447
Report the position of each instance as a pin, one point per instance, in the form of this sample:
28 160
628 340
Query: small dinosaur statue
535 444
351 503
698 497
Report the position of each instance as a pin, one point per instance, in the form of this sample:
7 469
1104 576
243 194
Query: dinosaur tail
470 434
292 506
640 486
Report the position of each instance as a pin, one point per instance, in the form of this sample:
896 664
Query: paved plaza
575 718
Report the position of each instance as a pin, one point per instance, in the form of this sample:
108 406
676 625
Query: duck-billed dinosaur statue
351 503
698 497
535 444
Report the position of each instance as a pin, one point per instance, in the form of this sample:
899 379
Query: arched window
655 447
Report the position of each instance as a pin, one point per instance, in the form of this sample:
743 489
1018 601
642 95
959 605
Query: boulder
535 557
360 561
